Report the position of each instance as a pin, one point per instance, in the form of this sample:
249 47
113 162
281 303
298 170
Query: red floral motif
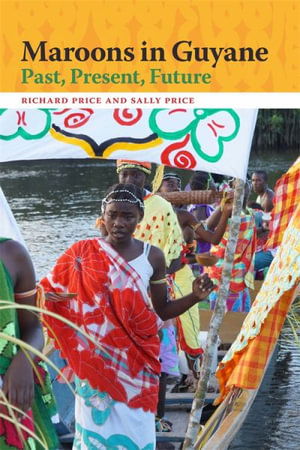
145 399
12 437
140 331
110 307
81 272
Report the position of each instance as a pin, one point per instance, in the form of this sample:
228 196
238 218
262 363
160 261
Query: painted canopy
213 140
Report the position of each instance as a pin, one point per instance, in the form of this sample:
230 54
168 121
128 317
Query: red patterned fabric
113 307
286 200
243 257
9 432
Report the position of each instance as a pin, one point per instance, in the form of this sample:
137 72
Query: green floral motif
21 129
194 126
94 441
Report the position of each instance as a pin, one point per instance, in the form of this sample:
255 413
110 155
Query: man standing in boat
260 187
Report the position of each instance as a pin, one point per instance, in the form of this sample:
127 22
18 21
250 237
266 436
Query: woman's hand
227 203
202 286
18 385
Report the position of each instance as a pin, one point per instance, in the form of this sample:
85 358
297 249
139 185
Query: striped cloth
242 274
287 196
243 365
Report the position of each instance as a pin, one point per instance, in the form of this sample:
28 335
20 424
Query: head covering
129 164
169 175
172 175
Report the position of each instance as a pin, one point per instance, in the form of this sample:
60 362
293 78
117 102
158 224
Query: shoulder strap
147 248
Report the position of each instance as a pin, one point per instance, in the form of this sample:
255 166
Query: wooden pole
216 320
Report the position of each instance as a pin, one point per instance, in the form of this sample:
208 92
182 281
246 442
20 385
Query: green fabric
29 444
42 417
43 404
7 320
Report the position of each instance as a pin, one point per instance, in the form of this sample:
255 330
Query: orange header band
143 46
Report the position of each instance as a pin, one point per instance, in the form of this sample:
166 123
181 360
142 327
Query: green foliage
277 130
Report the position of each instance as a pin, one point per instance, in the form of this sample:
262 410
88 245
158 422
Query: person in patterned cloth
24 380
242 275
101 285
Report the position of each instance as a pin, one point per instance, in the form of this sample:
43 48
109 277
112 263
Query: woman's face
121 219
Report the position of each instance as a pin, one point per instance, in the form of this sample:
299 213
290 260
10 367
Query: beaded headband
135 199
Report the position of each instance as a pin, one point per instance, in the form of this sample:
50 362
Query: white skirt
103 423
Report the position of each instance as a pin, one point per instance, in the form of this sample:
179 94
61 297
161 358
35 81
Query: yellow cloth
244 364
160 227
190 320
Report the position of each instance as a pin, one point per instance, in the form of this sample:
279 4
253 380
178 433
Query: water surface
57 202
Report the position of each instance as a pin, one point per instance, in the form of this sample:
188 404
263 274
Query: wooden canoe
178 405
224 424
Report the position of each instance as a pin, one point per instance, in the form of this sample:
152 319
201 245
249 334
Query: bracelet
21 295
162 281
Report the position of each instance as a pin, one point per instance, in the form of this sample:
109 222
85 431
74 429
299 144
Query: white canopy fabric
8 225
212 140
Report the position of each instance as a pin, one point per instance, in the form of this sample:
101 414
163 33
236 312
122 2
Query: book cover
177 83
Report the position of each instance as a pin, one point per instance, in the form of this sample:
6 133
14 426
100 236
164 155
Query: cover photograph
149 224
